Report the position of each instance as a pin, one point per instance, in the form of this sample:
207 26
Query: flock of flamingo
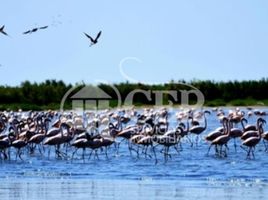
146 132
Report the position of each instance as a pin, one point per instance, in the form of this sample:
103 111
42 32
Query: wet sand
33 189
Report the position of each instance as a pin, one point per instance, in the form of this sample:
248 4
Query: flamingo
265 138
58 139
94 145
168 140
252 133
251 142
19 144
78 144
199 129
106 142
4 144
217 132
236 133
37 139
147 141
250 127
222 140
53 131
134 140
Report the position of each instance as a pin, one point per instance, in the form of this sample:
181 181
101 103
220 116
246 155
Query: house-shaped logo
90 98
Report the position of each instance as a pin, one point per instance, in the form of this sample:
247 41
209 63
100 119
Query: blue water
128 189
191 166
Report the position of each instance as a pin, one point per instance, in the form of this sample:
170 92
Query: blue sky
178 39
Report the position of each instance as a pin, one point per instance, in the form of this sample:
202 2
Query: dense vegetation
48 94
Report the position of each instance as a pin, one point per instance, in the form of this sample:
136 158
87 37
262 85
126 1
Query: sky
172 39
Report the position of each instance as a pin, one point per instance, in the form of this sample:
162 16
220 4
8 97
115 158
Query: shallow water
189 174
128 189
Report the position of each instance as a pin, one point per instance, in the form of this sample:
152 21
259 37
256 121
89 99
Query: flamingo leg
176 148
165 154
181 146
243 148
20 154
145 151
129 147
196 140
190 141
74 153
265 145
90 154
138 151
5 155
235 144
216 150
153 149
225 150
83 155
17 154
9 153
106 153
220 150
48 153
40 150
249 150
96 154
252 152
209 148
118 145
66 148
56 151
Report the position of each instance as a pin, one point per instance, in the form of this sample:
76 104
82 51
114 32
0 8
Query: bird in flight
34 30
93 41
26 32
43 27
2 30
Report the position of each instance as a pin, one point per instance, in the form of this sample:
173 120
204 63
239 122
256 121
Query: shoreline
17 107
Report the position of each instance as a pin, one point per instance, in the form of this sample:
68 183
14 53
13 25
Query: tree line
32 95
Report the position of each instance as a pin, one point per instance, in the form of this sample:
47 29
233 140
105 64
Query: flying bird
30 31
93 41
2 30
34 30
43 27
27 32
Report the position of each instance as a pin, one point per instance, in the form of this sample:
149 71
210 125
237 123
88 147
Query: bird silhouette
27 32
43 27
34 30
93 41
2 30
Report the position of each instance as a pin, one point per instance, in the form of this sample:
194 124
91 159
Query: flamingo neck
205 121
